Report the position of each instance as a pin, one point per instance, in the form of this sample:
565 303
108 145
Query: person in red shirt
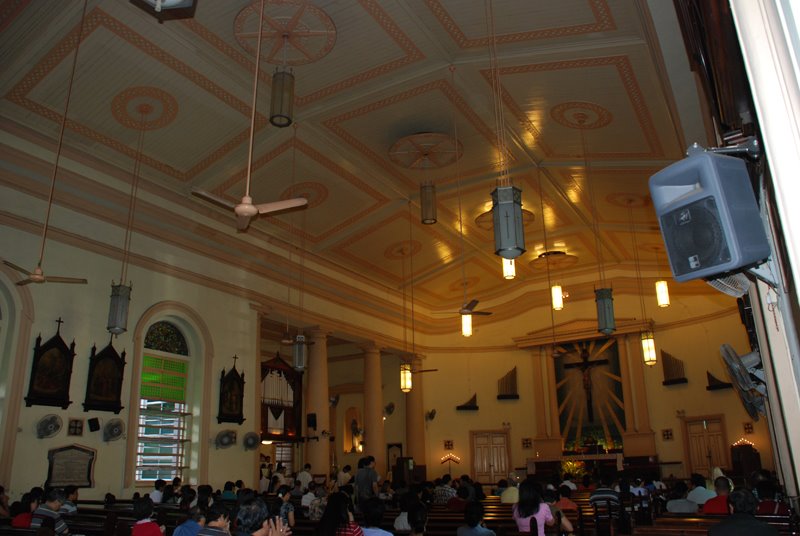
767 504
719 505
144 526
564 502
22 512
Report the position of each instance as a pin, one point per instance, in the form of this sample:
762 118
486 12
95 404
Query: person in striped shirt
53 500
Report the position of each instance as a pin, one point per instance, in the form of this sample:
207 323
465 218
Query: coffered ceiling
581 82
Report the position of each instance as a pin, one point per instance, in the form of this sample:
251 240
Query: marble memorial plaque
71 466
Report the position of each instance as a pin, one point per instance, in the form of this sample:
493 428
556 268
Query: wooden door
705 444
490 456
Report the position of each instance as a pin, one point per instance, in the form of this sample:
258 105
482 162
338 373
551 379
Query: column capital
370 347
317 333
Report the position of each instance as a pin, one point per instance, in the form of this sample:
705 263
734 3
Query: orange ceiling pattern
587 114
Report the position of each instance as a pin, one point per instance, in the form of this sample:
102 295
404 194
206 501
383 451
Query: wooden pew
680 525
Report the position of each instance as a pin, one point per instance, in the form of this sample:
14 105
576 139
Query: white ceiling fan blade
277 206
217 200
17 268
242 223
73 280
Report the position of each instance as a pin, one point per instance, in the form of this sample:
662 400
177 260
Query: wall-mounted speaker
709 216
94 424
311 421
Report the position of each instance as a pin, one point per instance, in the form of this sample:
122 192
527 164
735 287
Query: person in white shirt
304 476
699 493
638 489
344 477
309 496
157 494
569 483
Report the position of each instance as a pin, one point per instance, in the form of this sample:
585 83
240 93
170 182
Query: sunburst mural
591 406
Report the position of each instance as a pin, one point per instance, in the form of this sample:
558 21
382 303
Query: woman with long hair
337 520
531 506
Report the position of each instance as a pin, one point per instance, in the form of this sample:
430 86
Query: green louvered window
163 418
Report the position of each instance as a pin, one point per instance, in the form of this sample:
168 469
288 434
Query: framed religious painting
231 396
104 385
51 372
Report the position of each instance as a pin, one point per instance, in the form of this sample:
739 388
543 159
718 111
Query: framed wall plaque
71 466
104 385
231 396
51 372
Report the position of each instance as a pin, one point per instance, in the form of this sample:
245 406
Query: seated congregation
360 504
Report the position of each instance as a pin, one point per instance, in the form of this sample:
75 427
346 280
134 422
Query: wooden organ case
281 401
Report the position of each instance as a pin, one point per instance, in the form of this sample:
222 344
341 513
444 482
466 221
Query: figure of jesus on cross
586 367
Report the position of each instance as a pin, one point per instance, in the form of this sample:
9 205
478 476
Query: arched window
164 414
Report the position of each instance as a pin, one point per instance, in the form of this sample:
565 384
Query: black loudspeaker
311 421
94 424
709 216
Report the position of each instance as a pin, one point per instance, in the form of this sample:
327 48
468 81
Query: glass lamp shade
509 269
466 325
118 310
405 377
282 99
509 234
605 311
662 293
299 352
557 296
427 202
649 348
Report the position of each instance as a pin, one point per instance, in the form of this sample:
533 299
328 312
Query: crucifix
59 322
586 366
235 357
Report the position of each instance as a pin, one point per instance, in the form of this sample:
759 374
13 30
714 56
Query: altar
598 460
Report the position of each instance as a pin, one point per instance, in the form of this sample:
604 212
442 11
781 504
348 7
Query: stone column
415 417
548 443
640 441
375 438
627 393
318 450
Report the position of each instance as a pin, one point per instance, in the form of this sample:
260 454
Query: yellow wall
232 324
691 329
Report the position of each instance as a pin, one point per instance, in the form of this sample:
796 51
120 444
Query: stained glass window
166 337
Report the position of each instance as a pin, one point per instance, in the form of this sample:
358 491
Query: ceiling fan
38 276
245 210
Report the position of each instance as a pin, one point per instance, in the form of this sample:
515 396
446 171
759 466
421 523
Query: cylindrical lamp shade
427 203
509 234
662 293
509 269
299 352
282 99
649 348
466 325
605 311
557 296
118 310
405 377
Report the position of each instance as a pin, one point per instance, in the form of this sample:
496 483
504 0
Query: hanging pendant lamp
509 268
299 353
406 383
281 101
466 325
649 348
427 202
557 297
662 293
